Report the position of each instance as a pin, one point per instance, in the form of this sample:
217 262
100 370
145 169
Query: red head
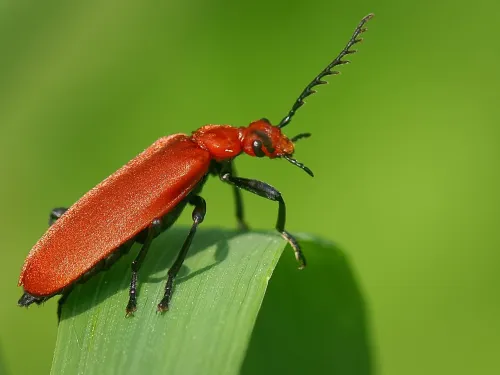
261 139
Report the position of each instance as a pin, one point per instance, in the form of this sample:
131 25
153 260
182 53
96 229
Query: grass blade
214 310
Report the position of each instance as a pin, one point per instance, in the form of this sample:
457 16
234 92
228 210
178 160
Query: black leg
55 214
27 299
200 209
267 191
242 225
153 230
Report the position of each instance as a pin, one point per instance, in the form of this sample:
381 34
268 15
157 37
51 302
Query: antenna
327 71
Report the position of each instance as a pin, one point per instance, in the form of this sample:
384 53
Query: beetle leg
27 299
242 225
199 211
55 214
269 192
152 231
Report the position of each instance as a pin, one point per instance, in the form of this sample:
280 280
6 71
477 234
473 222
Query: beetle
146 196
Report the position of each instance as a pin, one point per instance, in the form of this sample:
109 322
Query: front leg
269 192
242 225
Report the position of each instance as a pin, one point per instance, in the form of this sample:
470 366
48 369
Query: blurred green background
405 146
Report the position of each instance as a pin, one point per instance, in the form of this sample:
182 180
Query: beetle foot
163 305
243 226
131 309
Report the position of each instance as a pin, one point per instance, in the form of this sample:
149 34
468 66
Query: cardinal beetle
147 195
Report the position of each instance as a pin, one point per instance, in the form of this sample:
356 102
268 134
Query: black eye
257 148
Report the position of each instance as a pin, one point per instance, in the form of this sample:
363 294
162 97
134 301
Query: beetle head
261 139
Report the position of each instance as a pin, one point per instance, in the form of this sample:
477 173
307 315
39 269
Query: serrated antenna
327 71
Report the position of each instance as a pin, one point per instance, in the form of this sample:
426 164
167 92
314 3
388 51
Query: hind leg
55 214
27 299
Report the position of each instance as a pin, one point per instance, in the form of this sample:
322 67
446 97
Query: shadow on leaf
160 257
312 323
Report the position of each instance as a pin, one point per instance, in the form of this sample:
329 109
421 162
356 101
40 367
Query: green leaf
217 298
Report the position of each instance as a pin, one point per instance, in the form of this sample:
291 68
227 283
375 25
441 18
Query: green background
405 146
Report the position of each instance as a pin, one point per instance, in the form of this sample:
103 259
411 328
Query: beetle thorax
222 141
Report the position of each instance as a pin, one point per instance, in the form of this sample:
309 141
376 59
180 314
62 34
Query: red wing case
117 209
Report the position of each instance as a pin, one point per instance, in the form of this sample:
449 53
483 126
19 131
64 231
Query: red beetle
147 195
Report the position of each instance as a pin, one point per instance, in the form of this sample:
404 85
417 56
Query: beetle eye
257 148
